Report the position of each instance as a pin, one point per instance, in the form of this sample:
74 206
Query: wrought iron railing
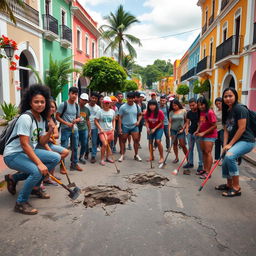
66 33
211 19
190 73
254 34
205 63
25 11
50 23
231 46
204 28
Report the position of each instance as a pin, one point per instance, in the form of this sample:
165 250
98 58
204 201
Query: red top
206 121
152 121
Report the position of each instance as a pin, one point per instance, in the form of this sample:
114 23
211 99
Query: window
87 50
78 39
47 6
206 17
63 17
93 50
213 7
225 31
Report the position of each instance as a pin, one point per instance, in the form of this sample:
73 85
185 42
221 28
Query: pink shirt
206 121
153 122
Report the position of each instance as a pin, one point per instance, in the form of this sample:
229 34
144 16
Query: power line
177 34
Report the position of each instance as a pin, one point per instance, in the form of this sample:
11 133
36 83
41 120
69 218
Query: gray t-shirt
93 111
105 119
25 126
69 115
129 115
165 111
178 120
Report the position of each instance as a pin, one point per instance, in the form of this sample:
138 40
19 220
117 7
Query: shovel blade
74 194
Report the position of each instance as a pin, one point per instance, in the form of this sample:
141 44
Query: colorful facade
28 35
57 33
85 43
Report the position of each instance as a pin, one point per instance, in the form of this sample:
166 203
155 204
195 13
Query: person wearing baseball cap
153 96
105 122
84 127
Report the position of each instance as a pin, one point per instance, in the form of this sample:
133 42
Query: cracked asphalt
174 219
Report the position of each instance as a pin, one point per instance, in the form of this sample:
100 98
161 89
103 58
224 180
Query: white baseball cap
143 95
84 96
106 99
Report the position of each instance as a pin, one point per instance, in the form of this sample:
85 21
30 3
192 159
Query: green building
57 36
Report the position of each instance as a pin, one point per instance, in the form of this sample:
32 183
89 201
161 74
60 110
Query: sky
158 18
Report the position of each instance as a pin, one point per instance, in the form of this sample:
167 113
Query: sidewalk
251 157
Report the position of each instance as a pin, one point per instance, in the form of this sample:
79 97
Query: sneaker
76 168
40 193
98 149
93 160
82 161
129 147
121 158
188 166
137 158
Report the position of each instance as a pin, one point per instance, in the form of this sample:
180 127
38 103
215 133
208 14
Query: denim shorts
56 148
127 130
208 139
180 135
157 135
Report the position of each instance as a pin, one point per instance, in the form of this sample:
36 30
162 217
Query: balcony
224 3
66 36
254 34
189 75
211 20
204 67
50 27
204 28
26 12
229 51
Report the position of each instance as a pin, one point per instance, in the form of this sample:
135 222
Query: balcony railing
254 34
26 12
204 28
66 33
204 64
224 4
190 73
50 23
211 19
232 46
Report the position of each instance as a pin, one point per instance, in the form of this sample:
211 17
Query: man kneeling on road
129 120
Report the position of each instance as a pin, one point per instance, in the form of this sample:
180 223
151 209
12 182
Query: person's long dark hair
152 102
176 102
225 106
203 100
32 91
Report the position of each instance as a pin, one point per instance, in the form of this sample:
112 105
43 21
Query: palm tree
115 32
127 64
6 7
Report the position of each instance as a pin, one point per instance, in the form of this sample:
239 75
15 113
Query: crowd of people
88 124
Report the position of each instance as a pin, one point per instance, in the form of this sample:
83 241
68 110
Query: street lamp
9 51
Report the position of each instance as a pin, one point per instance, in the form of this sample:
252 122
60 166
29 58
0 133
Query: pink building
85 43
252 89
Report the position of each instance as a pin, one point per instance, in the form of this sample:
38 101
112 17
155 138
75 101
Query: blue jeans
28 170
167 138
83 138
66 134
229 165
94 142
192 140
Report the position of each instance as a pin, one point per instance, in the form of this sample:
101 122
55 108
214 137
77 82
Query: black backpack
64 110
252 120
6 133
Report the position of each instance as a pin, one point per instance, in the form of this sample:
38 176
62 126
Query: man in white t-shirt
93 108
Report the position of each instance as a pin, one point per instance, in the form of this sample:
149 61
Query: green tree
106 75
57 76
127 64
183 89
116 32
201 87
130 86
165 67
151 74
6 7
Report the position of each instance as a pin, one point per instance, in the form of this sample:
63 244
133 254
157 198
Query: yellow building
166 85
222 44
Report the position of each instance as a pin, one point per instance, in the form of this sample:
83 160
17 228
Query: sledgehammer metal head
74 194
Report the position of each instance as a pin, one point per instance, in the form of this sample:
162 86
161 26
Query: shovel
73 193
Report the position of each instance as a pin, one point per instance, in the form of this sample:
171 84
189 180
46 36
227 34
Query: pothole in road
151 178
106 195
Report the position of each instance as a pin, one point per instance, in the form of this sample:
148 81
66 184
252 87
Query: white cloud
93 2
